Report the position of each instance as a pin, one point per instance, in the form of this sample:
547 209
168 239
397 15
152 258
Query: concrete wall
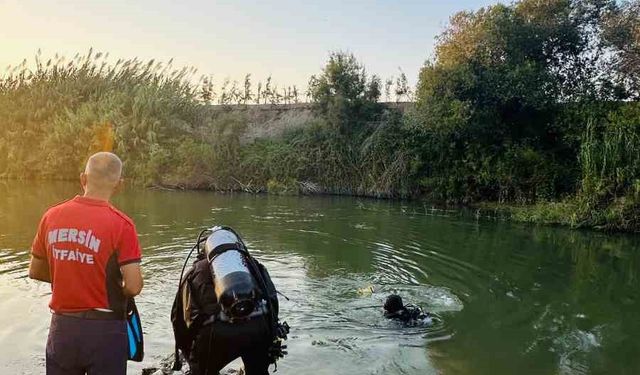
270 121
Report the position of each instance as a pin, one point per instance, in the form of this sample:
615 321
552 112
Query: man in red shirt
89 252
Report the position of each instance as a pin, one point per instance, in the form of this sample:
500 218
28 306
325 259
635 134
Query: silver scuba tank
235 286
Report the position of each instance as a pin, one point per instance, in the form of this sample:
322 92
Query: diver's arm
39 269
132 279
271 288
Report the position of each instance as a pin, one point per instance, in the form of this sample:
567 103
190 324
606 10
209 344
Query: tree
496 87
621 32
374 89
523 58
402 88
343 93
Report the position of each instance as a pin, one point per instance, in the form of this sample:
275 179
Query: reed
57 112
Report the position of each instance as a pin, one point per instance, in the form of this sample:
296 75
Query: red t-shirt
85 241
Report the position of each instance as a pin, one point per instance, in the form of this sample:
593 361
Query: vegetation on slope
522 105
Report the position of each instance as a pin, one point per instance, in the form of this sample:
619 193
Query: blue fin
134 333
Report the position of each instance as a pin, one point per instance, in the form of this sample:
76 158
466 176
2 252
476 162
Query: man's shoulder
57 207
121 216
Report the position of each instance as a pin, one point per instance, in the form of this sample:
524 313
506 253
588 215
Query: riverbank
613 219
496 116
565 214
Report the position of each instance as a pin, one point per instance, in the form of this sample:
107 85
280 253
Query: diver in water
407 314
227 307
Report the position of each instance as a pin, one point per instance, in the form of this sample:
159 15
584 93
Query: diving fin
134 332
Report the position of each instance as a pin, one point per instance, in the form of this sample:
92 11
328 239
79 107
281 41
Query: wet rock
166 364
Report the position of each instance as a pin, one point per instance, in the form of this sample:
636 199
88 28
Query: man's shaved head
103 171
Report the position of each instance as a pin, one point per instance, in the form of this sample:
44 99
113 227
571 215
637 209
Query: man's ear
119 186
83 181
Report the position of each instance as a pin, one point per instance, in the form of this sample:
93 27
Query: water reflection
513 299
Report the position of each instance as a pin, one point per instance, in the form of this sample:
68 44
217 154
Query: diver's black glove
277 350
282 330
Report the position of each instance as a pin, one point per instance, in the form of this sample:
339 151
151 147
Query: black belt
94 315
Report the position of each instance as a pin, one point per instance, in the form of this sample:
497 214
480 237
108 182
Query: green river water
513 299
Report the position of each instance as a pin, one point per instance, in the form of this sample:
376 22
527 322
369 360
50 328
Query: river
511 298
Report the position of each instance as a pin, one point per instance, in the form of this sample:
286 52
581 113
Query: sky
288 40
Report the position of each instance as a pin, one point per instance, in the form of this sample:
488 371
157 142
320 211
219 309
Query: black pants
219 343
82 346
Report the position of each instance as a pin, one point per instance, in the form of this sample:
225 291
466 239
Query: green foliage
501 108
343 94
609 194
547 213
374 162
621 32
528 103
54 117
610 159
288 187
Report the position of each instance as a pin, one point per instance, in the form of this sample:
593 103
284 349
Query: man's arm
132 279
39 265
39 269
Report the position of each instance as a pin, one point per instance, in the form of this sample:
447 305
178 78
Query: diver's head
393 303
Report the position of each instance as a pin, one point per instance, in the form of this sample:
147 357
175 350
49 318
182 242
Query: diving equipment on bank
234 287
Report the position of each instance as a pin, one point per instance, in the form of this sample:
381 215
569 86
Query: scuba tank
235 286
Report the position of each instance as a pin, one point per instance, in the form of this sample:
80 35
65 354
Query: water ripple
508 299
